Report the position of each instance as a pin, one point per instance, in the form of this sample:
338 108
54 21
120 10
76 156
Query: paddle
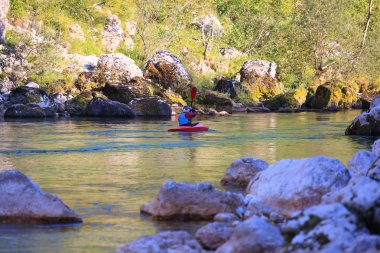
193 94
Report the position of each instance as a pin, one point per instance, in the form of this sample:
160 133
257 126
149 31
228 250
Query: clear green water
105 169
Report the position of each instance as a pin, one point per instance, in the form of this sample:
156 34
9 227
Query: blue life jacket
182 120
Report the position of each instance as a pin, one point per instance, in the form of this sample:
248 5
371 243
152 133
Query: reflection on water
105 169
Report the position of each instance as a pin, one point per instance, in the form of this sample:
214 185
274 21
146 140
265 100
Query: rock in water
118 68
242 170
150 106
22 201
99 107
254 236
367 123
30 102
179 241
293 184
167 70
191 202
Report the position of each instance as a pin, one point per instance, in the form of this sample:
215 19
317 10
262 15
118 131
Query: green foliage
311 41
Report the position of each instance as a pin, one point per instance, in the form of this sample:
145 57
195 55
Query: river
105 169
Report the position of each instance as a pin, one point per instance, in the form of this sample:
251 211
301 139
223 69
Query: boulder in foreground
23 202
293 184
191 202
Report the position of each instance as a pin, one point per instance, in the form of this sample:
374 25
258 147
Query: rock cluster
295 205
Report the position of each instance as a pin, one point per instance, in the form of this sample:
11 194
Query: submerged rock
167 70
99 107
179 241
22 201
191 202
214 234
293 184
150 106
242 170
327 228
254 236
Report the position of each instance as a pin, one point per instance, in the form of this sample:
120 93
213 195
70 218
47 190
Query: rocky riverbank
313 204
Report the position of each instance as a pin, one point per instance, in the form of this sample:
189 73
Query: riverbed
104 169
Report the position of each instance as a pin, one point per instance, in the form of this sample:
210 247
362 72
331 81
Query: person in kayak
186 116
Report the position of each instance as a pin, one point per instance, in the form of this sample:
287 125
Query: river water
105 169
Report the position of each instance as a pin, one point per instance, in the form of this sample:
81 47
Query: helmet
186 109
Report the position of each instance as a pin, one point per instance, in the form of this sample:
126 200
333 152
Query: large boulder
258 77
324 228
361 195
4 7
366 244
242 170
150 106
112 33
125 93
292 100
214 234
25 100
217 100
22 201
167 70
191 202
254 236
168 241
77 105
99 107
330 95
118 68
293 184
252 69
367 123
26 111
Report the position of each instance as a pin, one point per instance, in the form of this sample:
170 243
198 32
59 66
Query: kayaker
184 119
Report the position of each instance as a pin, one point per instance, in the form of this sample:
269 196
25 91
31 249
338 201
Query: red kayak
197 128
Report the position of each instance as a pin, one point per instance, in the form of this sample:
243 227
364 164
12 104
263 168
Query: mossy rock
292 99
327 95
126 92
89 81
77 106
220 101
150 106
28 95
167 70
261 88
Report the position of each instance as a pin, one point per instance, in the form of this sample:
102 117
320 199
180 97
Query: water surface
105 169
